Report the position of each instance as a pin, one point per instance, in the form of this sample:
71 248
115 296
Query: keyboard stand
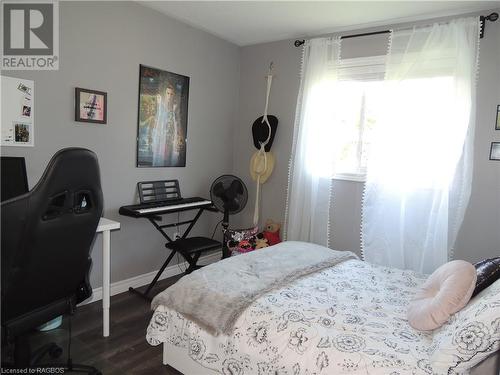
190 248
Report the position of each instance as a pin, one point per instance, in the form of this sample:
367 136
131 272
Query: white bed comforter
349 319
216 295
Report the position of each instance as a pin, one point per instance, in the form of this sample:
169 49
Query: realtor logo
30 35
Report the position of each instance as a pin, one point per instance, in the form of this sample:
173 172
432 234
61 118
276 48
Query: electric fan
229 195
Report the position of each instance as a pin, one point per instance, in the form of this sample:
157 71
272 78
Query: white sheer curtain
314 148
420 166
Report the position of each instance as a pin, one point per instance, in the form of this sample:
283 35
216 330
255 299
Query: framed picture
495 151
22 132
91 106
497 123
162 118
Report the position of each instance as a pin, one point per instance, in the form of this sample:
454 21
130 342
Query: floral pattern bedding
348 319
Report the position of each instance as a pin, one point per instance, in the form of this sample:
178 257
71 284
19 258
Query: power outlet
176 235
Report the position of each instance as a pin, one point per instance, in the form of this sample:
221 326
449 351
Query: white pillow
444 293
470 335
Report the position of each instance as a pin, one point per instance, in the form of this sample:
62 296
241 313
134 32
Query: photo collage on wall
17 114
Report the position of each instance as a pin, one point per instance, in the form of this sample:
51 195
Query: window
359 105
359 114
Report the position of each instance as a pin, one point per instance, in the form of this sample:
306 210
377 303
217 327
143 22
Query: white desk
106 226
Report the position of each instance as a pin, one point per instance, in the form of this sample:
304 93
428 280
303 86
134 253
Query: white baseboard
141 280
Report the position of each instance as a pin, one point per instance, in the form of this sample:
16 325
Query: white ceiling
251 22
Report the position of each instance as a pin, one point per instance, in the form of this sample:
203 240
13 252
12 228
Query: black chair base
52 349
24 358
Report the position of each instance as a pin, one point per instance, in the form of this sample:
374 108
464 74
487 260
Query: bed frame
176 357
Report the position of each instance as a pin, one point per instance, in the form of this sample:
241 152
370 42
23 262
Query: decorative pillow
488 271
444 293
470 336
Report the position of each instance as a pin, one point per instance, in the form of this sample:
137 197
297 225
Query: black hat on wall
260 131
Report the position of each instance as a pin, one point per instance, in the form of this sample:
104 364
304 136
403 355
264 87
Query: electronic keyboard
164 207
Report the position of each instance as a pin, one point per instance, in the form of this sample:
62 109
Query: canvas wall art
162 119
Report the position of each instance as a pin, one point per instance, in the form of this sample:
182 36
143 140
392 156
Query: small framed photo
497 123
26 111
495 151
22 87
90 106
22 133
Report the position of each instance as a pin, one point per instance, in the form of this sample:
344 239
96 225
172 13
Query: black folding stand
167 194
190 248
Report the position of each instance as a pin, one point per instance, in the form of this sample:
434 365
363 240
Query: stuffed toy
245 246
260 241
272 232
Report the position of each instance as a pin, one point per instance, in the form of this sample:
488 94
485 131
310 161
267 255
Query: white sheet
349 319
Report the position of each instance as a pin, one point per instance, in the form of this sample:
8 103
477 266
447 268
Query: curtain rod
491 17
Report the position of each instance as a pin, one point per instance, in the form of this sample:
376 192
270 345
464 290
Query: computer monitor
14 179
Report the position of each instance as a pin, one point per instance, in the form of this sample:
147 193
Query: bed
345 319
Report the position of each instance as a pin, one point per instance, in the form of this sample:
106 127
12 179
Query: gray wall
480 234
102 45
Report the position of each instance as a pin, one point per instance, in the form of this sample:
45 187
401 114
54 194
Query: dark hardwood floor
125 351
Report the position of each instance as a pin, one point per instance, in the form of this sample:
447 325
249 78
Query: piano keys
164 207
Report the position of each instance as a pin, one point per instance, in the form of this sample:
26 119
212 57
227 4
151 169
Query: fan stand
225 226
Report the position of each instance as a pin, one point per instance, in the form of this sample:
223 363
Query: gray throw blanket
216 295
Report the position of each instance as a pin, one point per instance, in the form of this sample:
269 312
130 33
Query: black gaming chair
47 234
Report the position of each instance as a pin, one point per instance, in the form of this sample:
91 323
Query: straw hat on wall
262 165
